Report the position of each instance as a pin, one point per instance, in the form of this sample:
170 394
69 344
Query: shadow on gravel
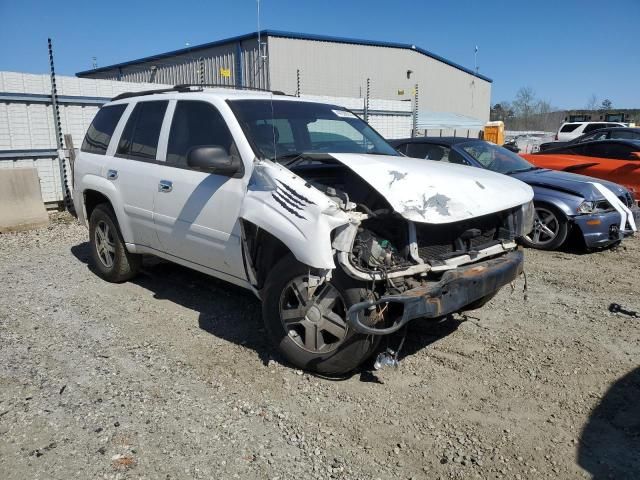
233 314
420 335
226 311
610 441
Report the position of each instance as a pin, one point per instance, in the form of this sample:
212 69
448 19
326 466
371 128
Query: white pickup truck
303 203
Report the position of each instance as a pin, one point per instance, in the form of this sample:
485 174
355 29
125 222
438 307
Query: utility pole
366 101
57 124
414 129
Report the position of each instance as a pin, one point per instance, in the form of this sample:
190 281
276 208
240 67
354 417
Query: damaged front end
423 262
419 270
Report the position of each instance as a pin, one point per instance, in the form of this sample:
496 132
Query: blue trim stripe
292 35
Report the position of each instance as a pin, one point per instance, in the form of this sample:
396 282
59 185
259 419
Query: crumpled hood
434 192
580 185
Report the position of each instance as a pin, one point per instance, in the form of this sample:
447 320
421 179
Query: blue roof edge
293 35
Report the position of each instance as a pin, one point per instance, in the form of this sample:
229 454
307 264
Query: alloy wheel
313 319
545 227
105 245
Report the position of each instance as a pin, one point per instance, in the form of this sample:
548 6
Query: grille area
437 243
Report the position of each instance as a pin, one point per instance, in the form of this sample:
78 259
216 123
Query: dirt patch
171 376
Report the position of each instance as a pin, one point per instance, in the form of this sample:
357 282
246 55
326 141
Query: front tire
550 228
311 332
111 260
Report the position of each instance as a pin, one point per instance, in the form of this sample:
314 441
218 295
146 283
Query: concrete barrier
21 206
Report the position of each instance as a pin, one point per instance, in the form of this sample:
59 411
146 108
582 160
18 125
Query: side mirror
214 159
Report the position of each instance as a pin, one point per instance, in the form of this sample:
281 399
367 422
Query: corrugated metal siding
328 68
255 70
29 126
183 68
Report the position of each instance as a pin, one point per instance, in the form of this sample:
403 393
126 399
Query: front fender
108 189
294 212
565 202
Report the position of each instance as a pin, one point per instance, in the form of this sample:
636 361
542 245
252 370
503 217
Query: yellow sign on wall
225 72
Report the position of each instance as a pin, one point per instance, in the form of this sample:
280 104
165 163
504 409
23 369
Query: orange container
494 132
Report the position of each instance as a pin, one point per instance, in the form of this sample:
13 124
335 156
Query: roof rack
192 87
234 87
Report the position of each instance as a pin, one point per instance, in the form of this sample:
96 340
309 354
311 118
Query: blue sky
565 50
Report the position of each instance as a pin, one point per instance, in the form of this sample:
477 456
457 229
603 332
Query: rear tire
312 333
550 228
111 260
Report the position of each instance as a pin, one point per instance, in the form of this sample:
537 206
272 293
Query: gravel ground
170 376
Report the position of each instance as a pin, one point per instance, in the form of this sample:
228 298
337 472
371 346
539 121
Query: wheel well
545 203
265 250
92 199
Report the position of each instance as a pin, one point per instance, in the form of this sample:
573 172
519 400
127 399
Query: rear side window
428 151
607 150
569 127
141 134
593 137
629 134
101 129
438 153
595 126
196 124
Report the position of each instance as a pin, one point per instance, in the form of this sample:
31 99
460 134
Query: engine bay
384 239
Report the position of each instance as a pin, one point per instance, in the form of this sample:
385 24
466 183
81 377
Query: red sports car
614 160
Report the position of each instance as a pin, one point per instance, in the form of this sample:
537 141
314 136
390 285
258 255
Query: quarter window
140 137
569 127
196 124
101 129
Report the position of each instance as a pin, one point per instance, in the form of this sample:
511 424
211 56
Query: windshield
498 159
281 129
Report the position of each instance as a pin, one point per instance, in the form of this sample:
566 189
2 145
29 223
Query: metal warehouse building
317 65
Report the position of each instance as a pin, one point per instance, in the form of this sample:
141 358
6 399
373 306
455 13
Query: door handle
112 174
165 186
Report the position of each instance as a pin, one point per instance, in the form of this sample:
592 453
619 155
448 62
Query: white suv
570 130
301 202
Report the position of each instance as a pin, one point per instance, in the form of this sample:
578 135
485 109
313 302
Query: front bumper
456 289
602 229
